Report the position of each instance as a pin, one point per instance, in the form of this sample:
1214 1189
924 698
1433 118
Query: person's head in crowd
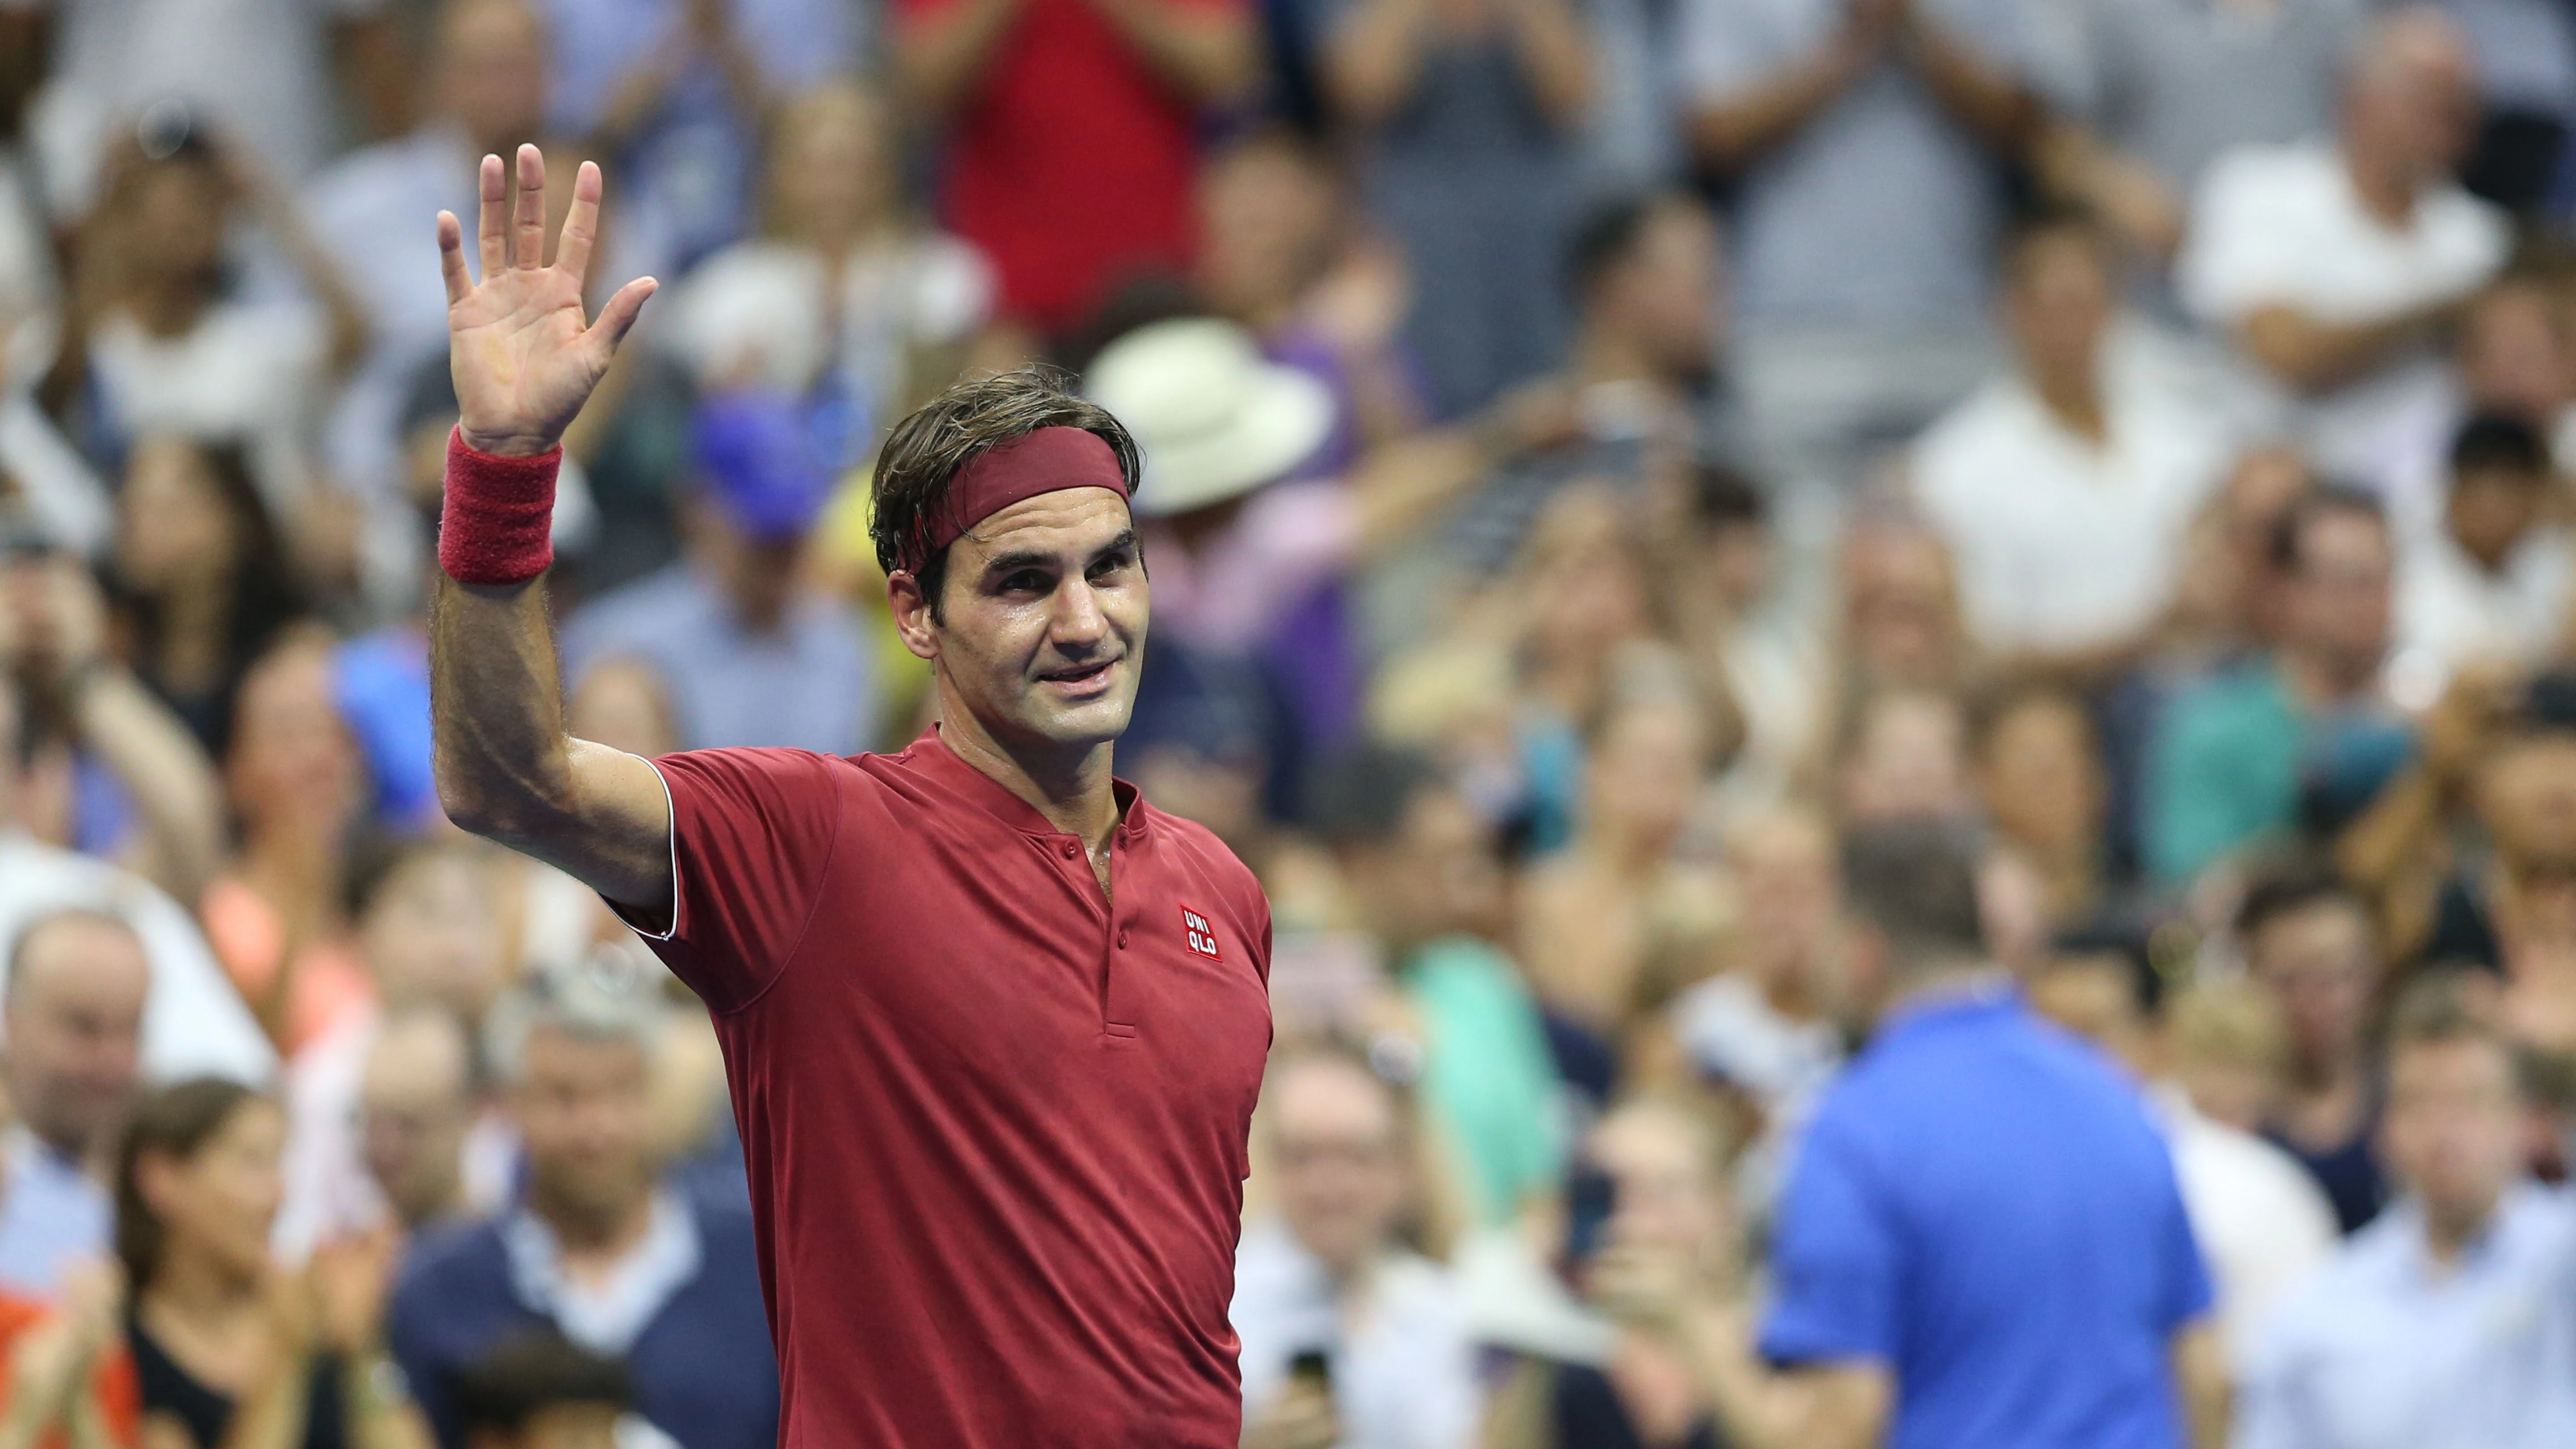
1036 633
1217 421
1782 864
487 72
1584 581
1900 603
763 479
2337 564
1914 902
2232 585
1417 858
2513 352
831 178
537 1390
1340 1147
197 1186
1273 209
2410 101
1643 775
1730 524
415 1104
2525 793
578 1054
1665 1167
2308 941
2060 291
2500 487
202 577
2454 1133
1644 273
1902 755
2039 774
74 1016
623 702
2226 1048
2100 982
291 770
157 235
429 927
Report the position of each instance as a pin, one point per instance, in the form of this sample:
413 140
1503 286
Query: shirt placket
1118 931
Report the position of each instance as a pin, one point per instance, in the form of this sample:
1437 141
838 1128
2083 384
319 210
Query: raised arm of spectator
283 219
524 362
1555 54
708 32
940 54
2314 355
1737 126
2073 163
1373 57
1405 486
1988 100
1210 53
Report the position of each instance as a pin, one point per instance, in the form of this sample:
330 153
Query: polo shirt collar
931 755
1978 998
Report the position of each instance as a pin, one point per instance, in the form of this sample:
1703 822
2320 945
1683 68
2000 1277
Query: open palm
522 355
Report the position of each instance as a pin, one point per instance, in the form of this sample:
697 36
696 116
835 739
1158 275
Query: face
292 761
1910 764
1584 580
1784 872
1668 289
2512 354
2041 778
413 1111
2059 304
2319 964
75 1025
1899 609
1340 1157
1646 773
222 1200
2491 509
829 171
2414 101
173 527
1041 636
1667 1190
1267 217
175 219
584 1110
491 75
2339 589
2453 1134
432 935
2527 800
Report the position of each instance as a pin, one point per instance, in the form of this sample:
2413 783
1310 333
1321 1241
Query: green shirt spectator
1487 1075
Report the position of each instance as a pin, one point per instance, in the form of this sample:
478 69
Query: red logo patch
1201 935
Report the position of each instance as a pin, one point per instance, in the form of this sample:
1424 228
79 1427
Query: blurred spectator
1349 1338
1972 1171
1903 756
2494 581
598 1247
192 1020
2228 1052
65 1382
2230 758
1744 599
2039 773
1419 866
1900 617
2445 1322
2525 55
2307 942
1862 137
416 1103
842 291
539 1391
74 1008
1466 114
277 917
202 578
2168 86
1655 1248
752 653
2064 486
2260 1221
153 339
1049 106
227 1350
2335 265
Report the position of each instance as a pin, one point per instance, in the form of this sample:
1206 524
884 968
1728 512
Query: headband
1048 460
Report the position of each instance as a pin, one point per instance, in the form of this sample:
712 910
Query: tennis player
993 1025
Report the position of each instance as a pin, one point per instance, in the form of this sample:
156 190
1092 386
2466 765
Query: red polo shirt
995 1124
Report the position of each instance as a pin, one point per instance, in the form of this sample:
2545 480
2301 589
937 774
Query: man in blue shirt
2449 1322
1981 1245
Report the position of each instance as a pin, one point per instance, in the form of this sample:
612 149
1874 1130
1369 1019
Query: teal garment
1487 1077
2222 769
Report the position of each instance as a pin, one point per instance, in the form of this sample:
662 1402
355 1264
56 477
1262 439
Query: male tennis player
994 1025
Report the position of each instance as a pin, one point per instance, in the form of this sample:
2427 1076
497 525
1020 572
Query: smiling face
1038 636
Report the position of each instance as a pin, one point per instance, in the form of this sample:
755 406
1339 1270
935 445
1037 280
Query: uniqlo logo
1202 936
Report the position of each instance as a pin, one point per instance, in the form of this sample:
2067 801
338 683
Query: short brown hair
922 456
2438 1008
174 1122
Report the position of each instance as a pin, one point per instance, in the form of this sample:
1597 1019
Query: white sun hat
1214 419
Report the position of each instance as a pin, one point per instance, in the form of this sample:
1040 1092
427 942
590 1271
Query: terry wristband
497 524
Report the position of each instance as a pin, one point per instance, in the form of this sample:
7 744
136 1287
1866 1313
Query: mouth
1080 680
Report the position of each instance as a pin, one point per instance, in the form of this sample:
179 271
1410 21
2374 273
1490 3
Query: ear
155 1181
911 609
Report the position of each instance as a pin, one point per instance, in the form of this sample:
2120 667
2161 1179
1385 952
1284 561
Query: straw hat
1214 418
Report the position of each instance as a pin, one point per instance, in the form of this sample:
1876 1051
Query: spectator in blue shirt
2450 1323
1982 1245
600 1247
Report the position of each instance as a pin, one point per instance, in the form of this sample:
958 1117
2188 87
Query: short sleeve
752 834
1835 1259
2184 1295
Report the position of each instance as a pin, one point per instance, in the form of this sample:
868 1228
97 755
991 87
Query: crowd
1903 673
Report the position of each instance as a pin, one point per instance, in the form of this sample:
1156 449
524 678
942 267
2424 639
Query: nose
1079 625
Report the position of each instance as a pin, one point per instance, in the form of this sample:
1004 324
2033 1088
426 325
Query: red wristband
497 524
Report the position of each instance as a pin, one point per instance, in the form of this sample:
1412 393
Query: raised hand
522 355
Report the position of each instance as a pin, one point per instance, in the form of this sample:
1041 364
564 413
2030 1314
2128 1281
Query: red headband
1048 460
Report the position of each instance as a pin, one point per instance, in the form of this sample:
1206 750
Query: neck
2073 396
2385 191
1068 784
2448 1233
195 1287
2321 680
584 1231
1602 355
1942 981
169 306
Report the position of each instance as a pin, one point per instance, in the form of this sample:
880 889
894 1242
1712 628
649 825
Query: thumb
618 317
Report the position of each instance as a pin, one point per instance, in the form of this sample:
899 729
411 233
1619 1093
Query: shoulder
447 1264
1953 458
1209 858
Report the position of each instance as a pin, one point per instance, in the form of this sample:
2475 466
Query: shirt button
1072 849
1122 940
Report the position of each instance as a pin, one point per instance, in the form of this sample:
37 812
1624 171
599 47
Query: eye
1108 564
1026 581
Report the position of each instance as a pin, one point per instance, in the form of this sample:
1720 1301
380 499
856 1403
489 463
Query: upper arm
1836 1260
616 837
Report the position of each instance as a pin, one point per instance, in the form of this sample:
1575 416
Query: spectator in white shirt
2334 265
2493 581
1349 1338
2065 487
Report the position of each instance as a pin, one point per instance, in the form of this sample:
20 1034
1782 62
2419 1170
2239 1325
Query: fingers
619 315
528 224
581 224
491 224
451 258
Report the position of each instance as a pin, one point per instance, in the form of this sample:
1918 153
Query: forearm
380 1416
1373 60
164 773
1555 57
1209 54
2315 356
1989 102
1834 1407
1403 487
939 60
1738 131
